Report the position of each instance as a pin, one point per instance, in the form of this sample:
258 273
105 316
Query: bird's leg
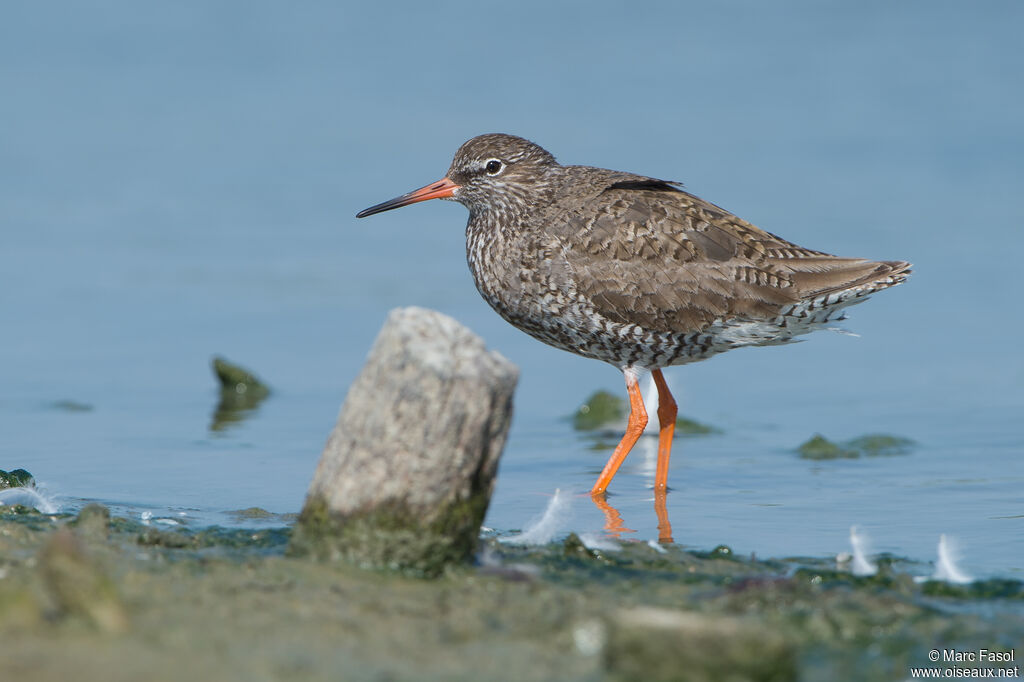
636 425
667 412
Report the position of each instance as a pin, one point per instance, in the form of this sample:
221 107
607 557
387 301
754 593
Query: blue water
181 180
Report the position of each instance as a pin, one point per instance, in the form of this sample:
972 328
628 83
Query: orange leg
667 412
635 427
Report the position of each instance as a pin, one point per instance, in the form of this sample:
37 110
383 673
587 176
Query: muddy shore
93 598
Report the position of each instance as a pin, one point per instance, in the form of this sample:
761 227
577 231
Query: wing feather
647 253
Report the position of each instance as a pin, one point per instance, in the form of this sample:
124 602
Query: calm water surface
182 181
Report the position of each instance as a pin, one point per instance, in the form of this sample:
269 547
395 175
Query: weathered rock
407 473
659 645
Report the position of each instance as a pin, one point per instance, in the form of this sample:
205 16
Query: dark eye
494 167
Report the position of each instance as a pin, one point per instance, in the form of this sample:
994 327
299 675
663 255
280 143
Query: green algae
155 537
599 410
71 406
17 478
573 547
604 410
721 552
92 522
232 605
215 537
241 393
78 585
993 588
392 536
236 379
18 510
258 514
250 513
707 647
690 427
871 445
880 445
819 447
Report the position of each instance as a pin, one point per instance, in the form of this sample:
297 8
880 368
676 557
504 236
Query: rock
657 645
871 445
881 445
819 447
692 427
251 514
603 410
78 586
599 410
18 478
241 392
93 522
407 473
236 379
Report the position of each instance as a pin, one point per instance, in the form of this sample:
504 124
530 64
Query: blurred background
180 180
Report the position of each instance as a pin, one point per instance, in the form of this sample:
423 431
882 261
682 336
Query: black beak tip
370 211
380 208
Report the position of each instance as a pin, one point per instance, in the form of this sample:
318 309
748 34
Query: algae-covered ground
94 598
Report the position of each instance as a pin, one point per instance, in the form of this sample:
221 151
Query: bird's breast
504 269
528 282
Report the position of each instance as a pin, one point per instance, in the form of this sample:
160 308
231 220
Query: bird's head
490 172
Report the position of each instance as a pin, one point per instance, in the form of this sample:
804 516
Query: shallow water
181 182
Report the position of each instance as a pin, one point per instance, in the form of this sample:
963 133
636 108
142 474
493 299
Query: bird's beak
441 189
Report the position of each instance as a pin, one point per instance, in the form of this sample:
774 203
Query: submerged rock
251 513
71 406
880 444
600 409
604 410
407 473
692 427
241 392
819 447
871 445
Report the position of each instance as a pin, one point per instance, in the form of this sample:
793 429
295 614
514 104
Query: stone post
407 473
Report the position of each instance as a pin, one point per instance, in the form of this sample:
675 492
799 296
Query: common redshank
633 270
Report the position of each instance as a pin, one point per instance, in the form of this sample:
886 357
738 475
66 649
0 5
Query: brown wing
649 254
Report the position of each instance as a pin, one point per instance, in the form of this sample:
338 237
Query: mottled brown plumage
633 270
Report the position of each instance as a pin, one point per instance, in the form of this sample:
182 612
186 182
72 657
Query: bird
634 271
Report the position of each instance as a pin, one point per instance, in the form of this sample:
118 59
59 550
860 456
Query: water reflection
615 526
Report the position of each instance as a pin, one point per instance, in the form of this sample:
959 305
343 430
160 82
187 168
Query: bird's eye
494 166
